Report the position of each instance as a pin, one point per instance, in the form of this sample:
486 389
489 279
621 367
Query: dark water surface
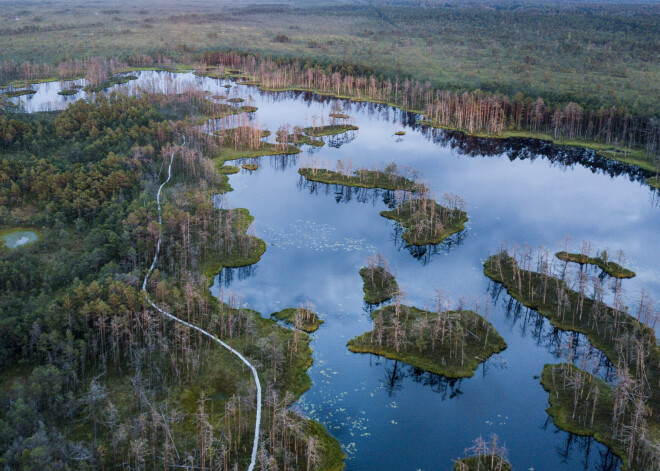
388 415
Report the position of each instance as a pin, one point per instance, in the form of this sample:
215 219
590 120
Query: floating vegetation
448 343
68 92
18 237
400 133
600 260
428 222
301 318
314 236
250 166
338 115
379 284
235 100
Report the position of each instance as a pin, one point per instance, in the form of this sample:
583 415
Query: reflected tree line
472 146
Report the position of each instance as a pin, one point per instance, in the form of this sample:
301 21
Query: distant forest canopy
475 112
598 54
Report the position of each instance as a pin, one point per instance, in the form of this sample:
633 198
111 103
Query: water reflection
581 447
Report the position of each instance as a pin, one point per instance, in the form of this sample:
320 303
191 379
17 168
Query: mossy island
236 100
488 462
329 130
610 329
428 222
448 343
298 136
391 178
18 237
400 133
584 404
485 455
250 166
379 284
246 142
15 93
301 318
338 115
601 260
68 92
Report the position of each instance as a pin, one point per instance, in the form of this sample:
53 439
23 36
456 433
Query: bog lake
386 414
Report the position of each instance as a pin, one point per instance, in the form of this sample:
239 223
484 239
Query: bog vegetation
92 375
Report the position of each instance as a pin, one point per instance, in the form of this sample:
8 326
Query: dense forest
92 376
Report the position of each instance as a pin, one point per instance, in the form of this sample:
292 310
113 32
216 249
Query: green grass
378 285
329 130
480 341
250 166
288 316
654 182
483 463
224 171
611 268
332 458
561 399
599 332
362 179
636 157
434 232
71 91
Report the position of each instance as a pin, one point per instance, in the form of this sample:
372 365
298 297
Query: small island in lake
379 284
428 222
301 318
448 343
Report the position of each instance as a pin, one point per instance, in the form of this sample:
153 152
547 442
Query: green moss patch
236 100
449 343
301 318
611 268
400 133
250 166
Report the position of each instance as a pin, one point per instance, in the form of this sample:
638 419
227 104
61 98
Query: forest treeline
92 376
476 112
